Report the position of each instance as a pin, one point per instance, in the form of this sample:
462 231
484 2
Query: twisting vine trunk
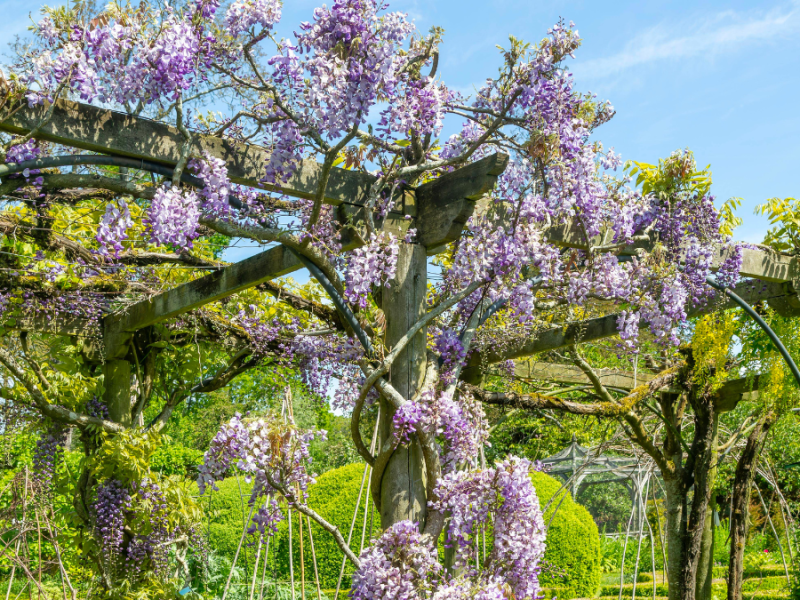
699 463
740 501
705 567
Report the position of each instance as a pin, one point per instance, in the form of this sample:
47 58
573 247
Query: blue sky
722 78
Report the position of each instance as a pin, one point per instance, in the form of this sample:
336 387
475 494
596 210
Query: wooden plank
757 263
54 324
264 266
560 373
761 264
554 338
102 130
278 261
446 203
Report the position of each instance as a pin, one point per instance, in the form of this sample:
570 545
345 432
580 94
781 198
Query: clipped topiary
573 541
226 513
334 497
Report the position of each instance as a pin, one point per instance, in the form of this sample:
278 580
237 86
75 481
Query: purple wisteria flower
173 217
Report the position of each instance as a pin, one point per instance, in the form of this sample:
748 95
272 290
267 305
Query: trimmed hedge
226 512
333 496
573 541
776 582
721 572
643 589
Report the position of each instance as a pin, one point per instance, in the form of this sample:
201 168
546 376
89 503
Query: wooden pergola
438 210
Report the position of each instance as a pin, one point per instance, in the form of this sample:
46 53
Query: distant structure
574 464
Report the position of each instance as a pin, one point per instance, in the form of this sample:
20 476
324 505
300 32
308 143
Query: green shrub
776 582
225 513
573 542
643 589
644 577
175 459
333 496
765 571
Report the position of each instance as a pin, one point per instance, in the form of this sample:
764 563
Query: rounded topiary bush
226 513
573 541
333 497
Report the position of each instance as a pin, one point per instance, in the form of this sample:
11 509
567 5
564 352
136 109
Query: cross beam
757 263
589 330
110 132
456 195
107 131
728 394
561 373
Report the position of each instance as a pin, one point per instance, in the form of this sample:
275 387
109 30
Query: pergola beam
589 330
462 187
757 263
106 131
561 373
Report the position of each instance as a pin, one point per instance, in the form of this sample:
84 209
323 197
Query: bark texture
740 501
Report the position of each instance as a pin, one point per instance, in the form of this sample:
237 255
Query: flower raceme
273 454
402 563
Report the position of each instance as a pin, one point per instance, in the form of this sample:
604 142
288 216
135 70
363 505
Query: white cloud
720 33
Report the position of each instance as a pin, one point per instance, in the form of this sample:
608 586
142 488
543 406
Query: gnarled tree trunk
740 502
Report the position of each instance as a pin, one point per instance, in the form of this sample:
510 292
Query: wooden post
403 482
117 397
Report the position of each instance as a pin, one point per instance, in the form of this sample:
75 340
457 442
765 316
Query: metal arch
761 323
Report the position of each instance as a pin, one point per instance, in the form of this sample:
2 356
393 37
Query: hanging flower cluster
215 194
243 14
461 425
125 57
402 563
507 493
113 227
173 217
372 264
274 455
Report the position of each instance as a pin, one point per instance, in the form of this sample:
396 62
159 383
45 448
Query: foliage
357 87
333 496
784 216
573 541
711 347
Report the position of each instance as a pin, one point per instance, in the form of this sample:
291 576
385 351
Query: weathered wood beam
463 185
727 396
234 278
733 391
561 373
75 327
554 338
109 132
757 263
446 203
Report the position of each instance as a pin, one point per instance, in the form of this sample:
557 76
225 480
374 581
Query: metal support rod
761 323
